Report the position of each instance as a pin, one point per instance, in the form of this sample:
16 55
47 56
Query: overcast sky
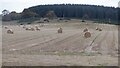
19 5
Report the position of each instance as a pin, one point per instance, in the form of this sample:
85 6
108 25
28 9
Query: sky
19 5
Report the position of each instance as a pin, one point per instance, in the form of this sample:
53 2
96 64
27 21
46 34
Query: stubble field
49 48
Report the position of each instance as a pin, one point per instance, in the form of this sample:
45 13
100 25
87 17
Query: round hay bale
100 29
87 34
85 30
83 21
60 30
32 29
10 31
6 27
27 29
21 24
24 26
97 28
37 28
47 20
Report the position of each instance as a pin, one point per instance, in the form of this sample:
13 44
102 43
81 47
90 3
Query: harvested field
47 47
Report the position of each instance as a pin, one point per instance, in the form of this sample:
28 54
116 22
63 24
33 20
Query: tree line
91 12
